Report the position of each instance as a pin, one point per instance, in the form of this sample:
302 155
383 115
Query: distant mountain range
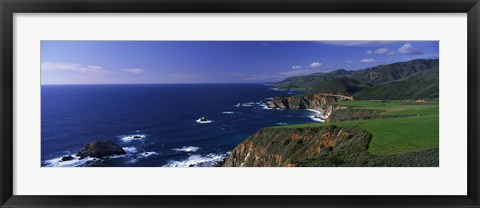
415 79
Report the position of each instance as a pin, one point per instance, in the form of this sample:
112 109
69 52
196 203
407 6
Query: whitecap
316 119
130 149
75 162
269 98
264 106
203 122
117 156
228 112
318 116
186 149
147 154
282 124
133 137
132 161
315 111
141 155
209 160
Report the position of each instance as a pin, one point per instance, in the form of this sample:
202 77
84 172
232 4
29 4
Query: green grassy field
416 129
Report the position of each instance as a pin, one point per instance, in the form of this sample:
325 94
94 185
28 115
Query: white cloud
381 51
296 67
55 66
349 61
368 60
408 48
391 53
315 65
134 70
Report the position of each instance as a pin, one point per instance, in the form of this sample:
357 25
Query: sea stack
100 149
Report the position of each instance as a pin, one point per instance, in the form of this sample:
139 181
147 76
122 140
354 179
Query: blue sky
130 62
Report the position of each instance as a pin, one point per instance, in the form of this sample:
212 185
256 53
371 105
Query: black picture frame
10 7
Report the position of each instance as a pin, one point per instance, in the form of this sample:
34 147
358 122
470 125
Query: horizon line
264 83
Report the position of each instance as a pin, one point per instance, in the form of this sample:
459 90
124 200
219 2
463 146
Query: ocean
156 124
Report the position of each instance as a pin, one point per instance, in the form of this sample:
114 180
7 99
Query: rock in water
66 158
100 149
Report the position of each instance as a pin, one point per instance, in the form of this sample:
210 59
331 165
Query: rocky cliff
327 146
287 147
316 101
309 101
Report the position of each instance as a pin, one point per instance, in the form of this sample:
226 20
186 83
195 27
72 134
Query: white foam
203 122
228 112
316 119
282 124
269 98
264 106
198 161
315 111
75 162
130 149
117 156
318 115
147 154
132 161
130 138
186 149
141 155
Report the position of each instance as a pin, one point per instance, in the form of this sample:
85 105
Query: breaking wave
133 137
186 149
210 160
75 162
203 122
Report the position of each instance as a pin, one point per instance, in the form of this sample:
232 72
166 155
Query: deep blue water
163 115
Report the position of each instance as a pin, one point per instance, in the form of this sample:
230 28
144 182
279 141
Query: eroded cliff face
288 147
310 101
317 101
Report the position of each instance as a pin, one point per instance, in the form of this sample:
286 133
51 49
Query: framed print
239 104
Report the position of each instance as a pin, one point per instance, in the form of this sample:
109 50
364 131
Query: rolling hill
415 79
